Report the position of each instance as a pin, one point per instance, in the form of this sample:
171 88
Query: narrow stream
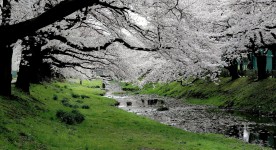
200 119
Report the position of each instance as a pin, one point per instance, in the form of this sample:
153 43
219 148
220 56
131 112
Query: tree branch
12 32
103 47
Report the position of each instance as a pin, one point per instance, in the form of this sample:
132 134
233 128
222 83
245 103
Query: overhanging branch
102 47
61 10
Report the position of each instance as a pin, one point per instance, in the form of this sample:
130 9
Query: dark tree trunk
261 64
241 72
32 68
233 70
36 62
6 55
23 78
5 70
30 73
35 72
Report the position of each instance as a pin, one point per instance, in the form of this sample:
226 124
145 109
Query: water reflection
254 133
253 116
246 133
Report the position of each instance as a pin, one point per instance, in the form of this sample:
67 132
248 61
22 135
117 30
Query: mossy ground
29 122
242 93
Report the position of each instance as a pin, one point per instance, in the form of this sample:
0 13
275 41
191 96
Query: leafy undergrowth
32 122
126 86
242 93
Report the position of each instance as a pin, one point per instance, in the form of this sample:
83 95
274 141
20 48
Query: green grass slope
30 122
239 94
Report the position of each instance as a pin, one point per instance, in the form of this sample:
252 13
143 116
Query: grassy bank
30 122
242 93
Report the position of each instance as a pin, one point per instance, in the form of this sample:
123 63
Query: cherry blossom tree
188 48
248 26
113 13
181 38
180 44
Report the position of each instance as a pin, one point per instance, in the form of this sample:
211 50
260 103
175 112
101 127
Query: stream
196 118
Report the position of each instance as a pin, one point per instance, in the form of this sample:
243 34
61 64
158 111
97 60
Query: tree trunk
241 72
23 78
261 64
36 62
233 69
5 70
31 73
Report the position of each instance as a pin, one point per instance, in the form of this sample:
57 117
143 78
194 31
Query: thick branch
271 27
103 47
61 10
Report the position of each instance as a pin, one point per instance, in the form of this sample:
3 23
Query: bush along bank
242 94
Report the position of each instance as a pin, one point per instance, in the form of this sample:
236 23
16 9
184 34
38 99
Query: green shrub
85 107
73 117
84 96
75 95
79 101
65 117
129 87
55 97
65 102
117 103
78 116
